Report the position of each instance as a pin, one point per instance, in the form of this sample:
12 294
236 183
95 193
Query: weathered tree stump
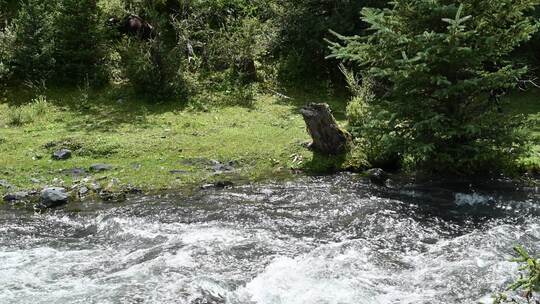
328 137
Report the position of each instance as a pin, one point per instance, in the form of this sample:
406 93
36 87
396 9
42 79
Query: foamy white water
331 240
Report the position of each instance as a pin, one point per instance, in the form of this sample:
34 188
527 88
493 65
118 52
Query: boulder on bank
62 154
53 197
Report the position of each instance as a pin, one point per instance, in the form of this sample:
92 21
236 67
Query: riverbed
315 240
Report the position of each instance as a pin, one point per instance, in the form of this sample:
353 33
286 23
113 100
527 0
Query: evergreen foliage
78 47
528 282
29 51
438 68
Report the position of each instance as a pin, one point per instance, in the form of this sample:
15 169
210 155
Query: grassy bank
158 146
150 146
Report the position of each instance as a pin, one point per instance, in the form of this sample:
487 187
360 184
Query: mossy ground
145 141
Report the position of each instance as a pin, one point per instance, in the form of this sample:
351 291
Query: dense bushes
303 26
438 69
243 41
51 41
78 46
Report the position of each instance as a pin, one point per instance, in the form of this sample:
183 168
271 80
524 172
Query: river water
335 240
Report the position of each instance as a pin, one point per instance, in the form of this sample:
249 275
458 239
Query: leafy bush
302 27
438 69
151 69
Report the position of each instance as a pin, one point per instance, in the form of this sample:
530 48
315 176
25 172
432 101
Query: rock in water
53 197
62 154
377 176
100 167
328 137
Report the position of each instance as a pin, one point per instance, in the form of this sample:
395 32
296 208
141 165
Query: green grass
145 141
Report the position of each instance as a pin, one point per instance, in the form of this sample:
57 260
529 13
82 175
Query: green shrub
151 69
302 27
79 47
438 67
32 44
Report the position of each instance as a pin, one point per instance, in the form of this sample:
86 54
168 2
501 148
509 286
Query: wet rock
100 167
62 154
53 197
377 176
83 191
16 196
218 184
112 197
218 167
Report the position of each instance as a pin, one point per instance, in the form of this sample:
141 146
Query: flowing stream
335 240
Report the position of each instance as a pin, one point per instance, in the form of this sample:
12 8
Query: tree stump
328 137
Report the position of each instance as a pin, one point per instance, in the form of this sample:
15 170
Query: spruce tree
439 67
77 50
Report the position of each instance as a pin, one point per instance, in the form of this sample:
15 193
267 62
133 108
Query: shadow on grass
324 164
299 97
98 110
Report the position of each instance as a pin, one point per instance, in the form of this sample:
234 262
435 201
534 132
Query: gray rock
16 196
62 154
219 184
377 176
112 197
35 180
100 167
218 167
5 184
83 190
74 172
53 197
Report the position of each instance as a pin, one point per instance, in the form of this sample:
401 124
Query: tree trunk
328 137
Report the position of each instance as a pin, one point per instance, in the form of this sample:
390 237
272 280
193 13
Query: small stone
219 184
53 197
16 196
218 167
57 181
35 180
178 172
377 176
83 190
100 167
95 186
74 172
5 184
110 196
62 154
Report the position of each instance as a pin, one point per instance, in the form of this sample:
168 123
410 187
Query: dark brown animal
134 25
